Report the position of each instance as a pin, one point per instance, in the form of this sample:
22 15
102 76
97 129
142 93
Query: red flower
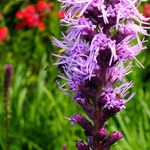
33 15
3 33
29 11
43 6
41 26
147 10
61 14
19 14
50 5
33 20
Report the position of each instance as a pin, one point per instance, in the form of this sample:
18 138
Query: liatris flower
100 44
8 76
7 102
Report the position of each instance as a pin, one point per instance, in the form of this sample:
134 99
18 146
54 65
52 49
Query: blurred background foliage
37 107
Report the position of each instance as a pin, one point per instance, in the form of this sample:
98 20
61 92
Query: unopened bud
102 134
81 145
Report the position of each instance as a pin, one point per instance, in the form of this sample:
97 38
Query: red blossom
61 14
33 15
43 6
31 9
3 33
33 20
30 17
19 14
147 10
50 4
41 26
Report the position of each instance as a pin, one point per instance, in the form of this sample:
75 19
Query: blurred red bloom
147 10
33 20
30 16
50 5
19 14
43 6
30 9
41 26
61 14
33 15
3 33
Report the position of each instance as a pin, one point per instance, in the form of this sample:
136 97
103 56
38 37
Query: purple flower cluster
101 39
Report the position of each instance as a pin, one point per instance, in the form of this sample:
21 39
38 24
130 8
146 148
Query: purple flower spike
99 47
8 75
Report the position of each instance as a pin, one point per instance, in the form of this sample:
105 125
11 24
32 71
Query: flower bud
83 122
102 133
115 136
81 145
